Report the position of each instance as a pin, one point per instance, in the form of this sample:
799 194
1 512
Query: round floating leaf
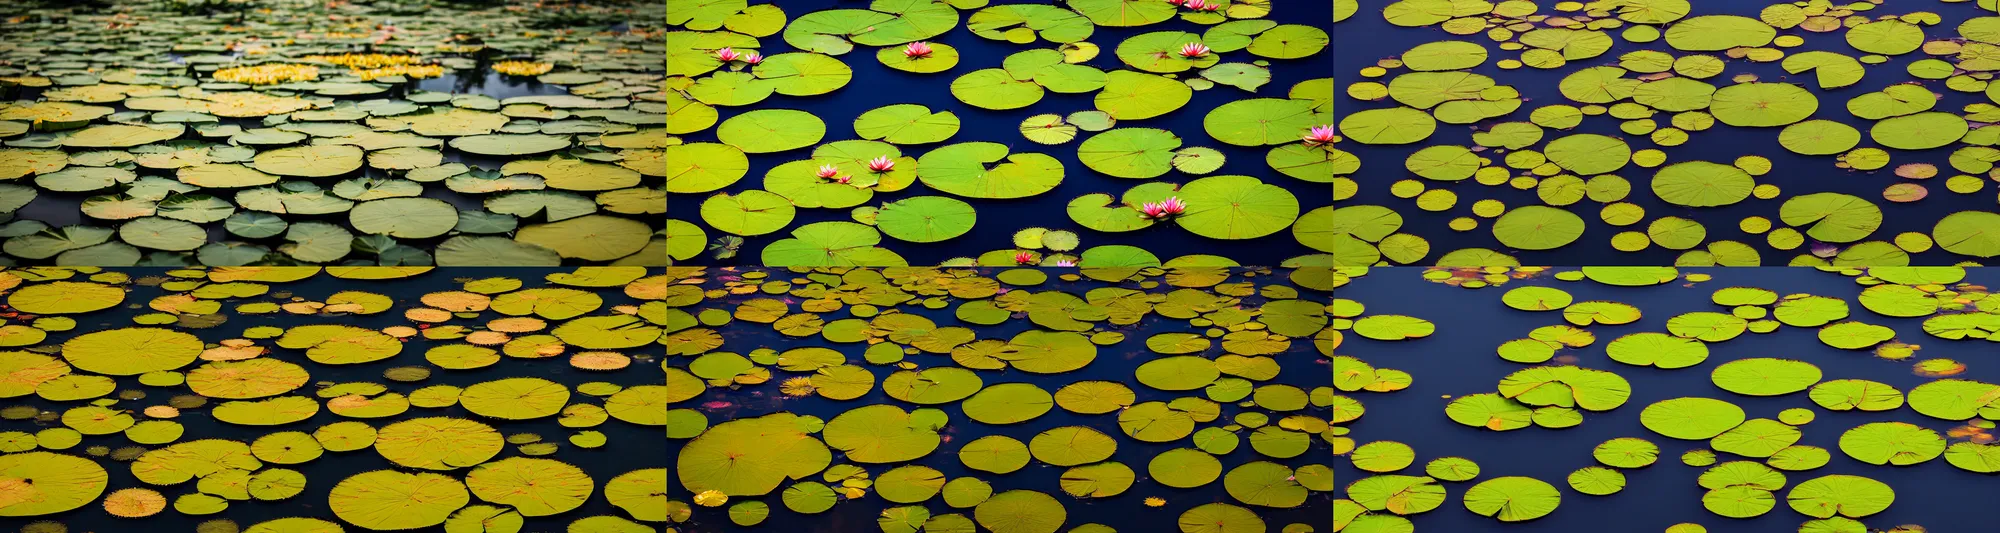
315 161
1512 498
1840 494
1765 376
407 218
45 483
906 124
771 130
995 89
1130 152
1762 104
390 500
1537 227
502 144
1894 443
1691 418
1021 511
925 218
131 351
532 486
969 170
1268 121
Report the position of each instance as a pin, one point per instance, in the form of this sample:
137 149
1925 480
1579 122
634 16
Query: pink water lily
1024 258
1319 135
726 54
1176 2
828 171
1065 263
845 180
1203 5
917 49
1164 208
1193 50
881 164
753 58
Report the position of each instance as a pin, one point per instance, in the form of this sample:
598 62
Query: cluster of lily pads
1891 365
310 400
1667 132
307 132
948 400
903 183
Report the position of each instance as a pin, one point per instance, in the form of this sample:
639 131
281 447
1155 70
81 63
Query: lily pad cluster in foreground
1667 132
364 133
1003 400
301 399
1742 399
1181 138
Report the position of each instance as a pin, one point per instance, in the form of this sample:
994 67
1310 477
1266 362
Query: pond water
626 449
875 85
1366 38
502 133
58 209
1459 359
1297 366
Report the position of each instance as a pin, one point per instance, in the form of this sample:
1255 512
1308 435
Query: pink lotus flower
1203 5
1065 263
1176 2
917 49
1194 50
827 171
1319 135
727 55
1024 258
845 180
881 164
1164 208
753 58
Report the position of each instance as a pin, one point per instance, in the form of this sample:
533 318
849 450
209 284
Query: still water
1366 38
875 85
629 446
1299 366
1459 359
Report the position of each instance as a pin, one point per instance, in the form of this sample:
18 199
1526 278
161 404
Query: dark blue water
875 85
1459 359
629 447
1126 512
1366 38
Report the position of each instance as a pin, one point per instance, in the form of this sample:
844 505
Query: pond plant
938 132
310 400
1678 400
1009 400
406 132
1655 132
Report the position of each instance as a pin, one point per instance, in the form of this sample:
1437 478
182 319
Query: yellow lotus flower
800 386
1155 502
523 68
268 74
